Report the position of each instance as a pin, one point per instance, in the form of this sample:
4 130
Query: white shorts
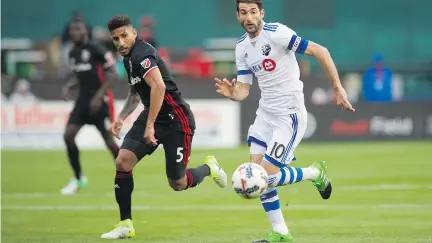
276 137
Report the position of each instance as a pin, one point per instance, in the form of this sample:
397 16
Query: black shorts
80 115
177 145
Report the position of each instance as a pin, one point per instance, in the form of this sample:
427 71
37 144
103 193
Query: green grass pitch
382 194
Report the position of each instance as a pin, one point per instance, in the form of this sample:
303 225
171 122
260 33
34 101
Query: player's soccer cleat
123 230
74 185
216 172
322 183
275 237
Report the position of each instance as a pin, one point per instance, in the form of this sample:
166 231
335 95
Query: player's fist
149 135
342 99
95 105
116 128
66 94
225 87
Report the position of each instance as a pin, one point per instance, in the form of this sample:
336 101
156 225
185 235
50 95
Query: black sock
124 185
196 175
73 154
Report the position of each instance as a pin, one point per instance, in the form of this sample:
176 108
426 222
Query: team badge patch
266 49
146 63
85 55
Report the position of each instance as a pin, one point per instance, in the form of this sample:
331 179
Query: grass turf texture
382 193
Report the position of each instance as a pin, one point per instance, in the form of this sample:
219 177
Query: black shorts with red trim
176 142
81 115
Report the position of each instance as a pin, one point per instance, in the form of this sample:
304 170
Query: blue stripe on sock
270 206
299 174
269 195
283 176
291 179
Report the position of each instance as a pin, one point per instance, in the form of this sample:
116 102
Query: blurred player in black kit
93 72
166 119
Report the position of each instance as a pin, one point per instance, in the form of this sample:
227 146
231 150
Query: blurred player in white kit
267 51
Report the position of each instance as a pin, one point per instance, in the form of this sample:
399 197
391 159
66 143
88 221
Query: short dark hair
258 2
118 21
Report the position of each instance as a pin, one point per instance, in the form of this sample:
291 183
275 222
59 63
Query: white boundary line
383 187
213 207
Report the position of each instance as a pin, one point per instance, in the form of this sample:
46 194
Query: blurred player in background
93 72
268 51
166 119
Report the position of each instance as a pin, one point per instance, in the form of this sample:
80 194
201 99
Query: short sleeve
244 74
147 64
103 56
287 38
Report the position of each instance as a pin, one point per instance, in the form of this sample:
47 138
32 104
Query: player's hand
342 99
95 105
116 128
149 135
66 94
225 87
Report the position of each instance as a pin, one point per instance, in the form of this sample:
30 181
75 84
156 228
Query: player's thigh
134 141
285 138
177 154
259 135
77 116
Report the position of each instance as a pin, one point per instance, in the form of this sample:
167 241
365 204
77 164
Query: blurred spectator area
200 45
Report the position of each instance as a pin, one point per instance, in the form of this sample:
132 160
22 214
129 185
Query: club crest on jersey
146 63
85 55
266 49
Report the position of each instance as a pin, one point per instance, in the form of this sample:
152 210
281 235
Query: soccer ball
250 180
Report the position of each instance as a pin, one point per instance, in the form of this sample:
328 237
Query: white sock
291 175
271 204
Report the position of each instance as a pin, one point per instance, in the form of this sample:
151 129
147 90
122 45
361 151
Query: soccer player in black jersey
166 119
93 72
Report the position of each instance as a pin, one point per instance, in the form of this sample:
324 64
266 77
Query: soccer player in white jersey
267 51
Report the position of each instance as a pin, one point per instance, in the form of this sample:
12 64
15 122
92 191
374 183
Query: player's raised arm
325 60
288 39
236 90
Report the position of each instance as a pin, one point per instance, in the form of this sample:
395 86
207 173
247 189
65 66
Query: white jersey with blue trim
271 58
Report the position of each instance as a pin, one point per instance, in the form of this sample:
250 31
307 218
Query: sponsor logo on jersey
269 65
146 63
135 80
82 67
266 49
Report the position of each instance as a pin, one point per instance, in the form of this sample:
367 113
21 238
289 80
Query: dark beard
257 28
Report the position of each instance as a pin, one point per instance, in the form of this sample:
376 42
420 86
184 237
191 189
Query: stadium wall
41 126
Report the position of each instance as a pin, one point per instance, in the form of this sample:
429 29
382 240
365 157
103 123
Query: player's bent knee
125 161
178 185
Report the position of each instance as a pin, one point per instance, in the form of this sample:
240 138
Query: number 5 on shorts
179 154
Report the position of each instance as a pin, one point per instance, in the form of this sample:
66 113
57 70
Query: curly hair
118 21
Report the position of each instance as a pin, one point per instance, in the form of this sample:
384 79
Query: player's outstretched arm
131 103
325 60
233 90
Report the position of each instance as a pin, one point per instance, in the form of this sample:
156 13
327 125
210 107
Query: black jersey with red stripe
88 62
175 111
